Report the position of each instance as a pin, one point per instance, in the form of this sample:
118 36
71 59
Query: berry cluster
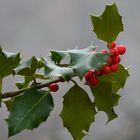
111 66
91 78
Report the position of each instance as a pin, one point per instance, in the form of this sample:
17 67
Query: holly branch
100 71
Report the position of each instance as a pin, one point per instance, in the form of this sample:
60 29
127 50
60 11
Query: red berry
113 45
54 87
110 61
88 75
116 59
104 51
105 70
94 81
114 52
121 49
98 73
91 79
114 67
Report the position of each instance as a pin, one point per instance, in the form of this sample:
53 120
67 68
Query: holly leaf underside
83 59
78 112
82 62
104 99
108 25
57 55
51 70
29 111
8 61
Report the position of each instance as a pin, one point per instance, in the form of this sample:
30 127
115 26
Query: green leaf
29 111
117 79
40 76
78 112
40 63
29 67
105 93
111 115
9 103
25 83
105 99
51 70
82 61
108 25
8 61
27 80
57 55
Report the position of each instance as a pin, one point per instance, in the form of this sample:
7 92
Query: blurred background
34 26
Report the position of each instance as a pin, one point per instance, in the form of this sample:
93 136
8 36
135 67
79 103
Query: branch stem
18 92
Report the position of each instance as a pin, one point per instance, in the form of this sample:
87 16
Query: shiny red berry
121 49
113 45
114 52
114 67
105 70
104 51
88 75
54 87
97 72
116 59
91 79
94 81
110 61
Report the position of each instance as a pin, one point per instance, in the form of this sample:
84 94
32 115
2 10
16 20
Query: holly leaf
108 25
83 59
51 70
111 115
105 99
9 104
58 55
27 80
25 83
81 62
29 67
40 76
118 78
8 61
29 110
78 112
